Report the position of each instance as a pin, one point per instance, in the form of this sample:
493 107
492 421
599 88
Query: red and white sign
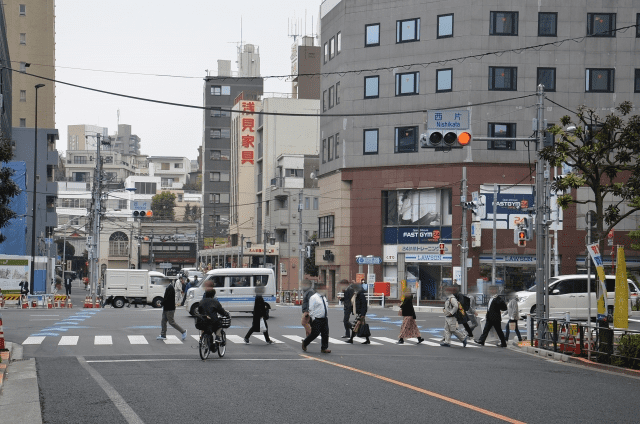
247 133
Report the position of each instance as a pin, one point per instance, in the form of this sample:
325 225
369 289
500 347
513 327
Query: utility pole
300 242
95 263
463 248
495 235
540 204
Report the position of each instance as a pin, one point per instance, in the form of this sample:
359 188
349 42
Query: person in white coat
451 323
514 315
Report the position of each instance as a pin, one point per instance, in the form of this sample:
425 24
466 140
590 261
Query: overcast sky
162 37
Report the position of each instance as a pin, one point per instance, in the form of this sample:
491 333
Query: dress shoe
349 341
325 351
366 342
420 340
445 344
477 342
304 347
346 337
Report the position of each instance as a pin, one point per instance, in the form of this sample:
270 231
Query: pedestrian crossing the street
139 339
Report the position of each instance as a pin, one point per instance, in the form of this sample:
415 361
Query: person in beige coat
451 323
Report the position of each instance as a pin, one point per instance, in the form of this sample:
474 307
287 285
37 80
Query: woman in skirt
409 327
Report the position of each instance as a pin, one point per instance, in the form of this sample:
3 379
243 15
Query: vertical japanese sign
247 133
621 305
596 257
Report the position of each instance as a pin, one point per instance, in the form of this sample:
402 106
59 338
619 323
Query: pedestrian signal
442 248
142 214
522 238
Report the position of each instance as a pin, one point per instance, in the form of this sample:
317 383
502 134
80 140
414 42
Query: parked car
568 293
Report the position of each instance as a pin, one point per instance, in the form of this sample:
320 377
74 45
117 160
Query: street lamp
34 205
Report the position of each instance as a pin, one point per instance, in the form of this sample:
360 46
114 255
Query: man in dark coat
209 308
168 312
361 311
67 284
307 286
494 320
348 308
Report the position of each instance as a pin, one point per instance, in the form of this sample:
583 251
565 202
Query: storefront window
514 277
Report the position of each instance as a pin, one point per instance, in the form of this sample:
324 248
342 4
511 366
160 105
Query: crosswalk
141 340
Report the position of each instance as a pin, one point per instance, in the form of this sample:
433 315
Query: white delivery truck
134 285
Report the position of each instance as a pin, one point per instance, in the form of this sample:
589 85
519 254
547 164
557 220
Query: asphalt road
140 379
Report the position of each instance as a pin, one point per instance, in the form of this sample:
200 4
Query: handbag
512 325
266 311
364 331
263 325
357 324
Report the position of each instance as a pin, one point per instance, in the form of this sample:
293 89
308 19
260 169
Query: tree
187 213
8 188
69 252
605 156
195 213
163 206
310 267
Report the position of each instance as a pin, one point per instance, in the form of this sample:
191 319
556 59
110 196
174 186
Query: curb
603 367
6 357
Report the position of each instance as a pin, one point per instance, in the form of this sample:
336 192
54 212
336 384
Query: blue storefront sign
417 235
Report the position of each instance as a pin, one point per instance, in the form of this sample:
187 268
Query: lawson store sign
417 235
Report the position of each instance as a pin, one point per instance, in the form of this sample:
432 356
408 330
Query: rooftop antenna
293 29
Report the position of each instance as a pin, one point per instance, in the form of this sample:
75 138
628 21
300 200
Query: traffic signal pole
463 248
541 284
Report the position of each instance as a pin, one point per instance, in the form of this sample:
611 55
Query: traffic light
447 139
522 237
142 214
308 251
527 225
442 248
471 205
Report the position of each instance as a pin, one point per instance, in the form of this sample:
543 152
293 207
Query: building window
637 82
177 165
547 24
408 30
315 204
406 140
326 52
503 23
118 244
372 35
600 80
214 176
145 188
225 133
23 95
218 197
215 90
226 90
445 26
324 101
23 38
371 87
547 77
294 173
601 24
338 93
336 151
332 48
339 42
325 227
214 133
501 130
331 96
79 159
443 80
215 155
637 25
307 203
330 149
370 142
503 78
23 67
216 112
23 122
324 151
407 84
23 10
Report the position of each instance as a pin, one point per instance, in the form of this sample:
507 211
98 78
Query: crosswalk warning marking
362 339
196 338
33 340
103 340
388 340
297 339
68 341
425 342
336 341
137 340
235 339
261 338
171 339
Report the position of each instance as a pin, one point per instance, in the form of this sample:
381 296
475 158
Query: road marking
171 339
127 412
425 342
33 340
336 341
456 343
45 319
68 341
102 340
47 315
104 361
137 340
297 339
261 338
388 340
362 339
419 390
196 338
235 339
634 320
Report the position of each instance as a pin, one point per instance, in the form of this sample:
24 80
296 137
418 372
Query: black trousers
467 329
498 327
347 324
319 326
266 333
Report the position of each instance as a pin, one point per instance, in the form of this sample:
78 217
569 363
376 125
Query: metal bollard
530 328
555 335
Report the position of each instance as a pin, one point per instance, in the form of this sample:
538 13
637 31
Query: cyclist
209 309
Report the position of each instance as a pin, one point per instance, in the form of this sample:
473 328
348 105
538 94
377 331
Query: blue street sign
375 260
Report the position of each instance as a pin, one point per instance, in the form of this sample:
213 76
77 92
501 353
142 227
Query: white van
236 288
568 293
128 285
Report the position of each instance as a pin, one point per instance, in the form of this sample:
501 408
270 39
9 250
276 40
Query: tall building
305 62
386 193
31 40
5 80
220 93
85 137
125 142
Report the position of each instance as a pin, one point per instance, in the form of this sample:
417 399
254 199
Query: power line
477 56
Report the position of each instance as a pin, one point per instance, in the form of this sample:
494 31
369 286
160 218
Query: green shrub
629 351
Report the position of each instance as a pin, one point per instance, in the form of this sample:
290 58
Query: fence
609 345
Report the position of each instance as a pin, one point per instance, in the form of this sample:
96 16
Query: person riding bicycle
209 309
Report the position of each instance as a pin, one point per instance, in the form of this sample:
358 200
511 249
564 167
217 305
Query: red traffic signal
442 248
522 238
142 214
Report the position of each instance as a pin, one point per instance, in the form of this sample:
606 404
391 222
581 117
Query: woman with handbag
409 327
260 317
360 327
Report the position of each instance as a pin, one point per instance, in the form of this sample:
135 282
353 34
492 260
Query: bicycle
208 343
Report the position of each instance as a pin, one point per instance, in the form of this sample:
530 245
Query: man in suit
348 308
494 320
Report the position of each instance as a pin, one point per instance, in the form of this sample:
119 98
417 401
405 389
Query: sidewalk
19 392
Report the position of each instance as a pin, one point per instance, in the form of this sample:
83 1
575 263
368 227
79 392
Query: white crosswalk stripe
33 340
68 341
362 339
336 341
103 340
296 339
235 339
458 343
137 340
171 339
388 340
261 338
